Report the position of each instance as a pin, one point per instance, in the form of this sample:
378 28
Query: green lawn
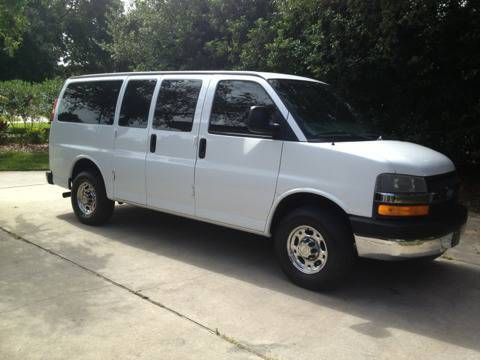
21 126
19 160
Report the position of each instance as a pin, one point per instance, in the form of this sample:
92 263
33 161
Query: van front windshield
320 114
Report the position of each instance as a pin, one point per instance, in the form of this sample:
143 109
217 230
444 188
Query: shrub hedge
23 109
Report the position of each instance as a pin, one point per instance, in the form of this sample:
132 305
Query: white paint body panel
346 172
131 146
241 180
403 157
129 164
170 170
235 183
70 142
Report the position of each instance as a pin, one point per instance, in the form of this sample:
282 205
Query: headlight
398 184
401 195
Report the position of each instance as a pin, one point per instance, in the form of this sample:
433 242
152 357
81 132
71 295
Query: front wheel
315 247
89 199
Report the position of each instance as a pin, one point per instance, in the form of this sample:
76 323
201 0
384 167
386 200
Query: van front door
173 139
236 172
131 140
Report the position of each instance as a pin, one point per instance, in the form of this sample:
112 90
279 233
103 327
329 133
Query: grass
18 154
21 126
22 161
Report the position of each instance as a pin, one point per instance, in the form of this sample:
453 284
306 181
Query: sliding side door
131 140
173 141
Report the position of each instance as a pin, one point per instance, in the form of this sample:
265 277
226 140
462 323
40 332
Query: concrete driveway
150 285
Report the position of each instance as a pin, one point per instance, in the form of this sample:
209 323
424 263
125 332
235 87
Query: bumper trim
422 227
397 249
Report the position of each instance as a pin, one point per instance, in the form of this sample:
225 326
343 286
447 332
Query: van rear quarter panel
70 142
73 141
319 168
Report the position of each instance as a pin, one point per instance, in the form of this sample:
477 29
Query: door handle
202 148
153 142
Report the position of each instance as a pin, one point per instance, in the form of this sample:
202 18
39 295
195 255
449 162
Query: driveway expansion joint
20 186
138 293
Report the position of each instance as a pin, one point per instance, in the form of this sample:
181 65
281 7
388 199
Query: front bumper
395 249
397 239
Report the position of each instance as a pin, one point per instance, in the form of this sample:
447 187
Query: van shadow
440 301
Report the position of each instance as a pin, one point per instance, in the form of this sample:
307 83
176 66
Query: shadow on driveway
440 301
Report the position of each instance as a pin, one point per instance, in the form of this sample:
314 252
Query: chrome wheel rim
86 198
307 249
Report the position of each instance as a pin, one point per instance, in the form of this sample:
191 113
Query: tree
183 34
49 32
39 48
13 23
85 34
411 67
161 35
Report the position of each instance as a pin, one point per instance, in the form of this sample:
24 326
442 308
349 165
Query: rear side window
232 102
176 103
134 111
90 102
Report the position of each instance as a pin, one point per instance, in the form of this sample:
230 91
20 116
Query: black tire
104 207
338 239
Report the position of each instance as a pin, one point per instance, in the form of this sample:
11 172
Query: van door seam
266 230
196 147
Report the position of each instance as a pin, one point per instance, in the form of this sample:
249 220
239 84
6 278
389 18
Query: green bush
3 130
21 100
36 135
17 99
22 105
20 133
47 92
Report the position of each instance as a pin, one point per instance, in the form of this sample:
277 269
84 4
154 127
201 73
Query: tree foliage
13 23
43 38
410 67
85 34
184 34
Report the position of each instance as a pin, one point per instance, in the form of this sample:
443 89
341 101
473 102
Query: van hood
399 156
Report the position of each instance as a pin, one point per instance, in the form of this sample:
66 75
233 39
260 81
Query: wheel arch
296 198
83 163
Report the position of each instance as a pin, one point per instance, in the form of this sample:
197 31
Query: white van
272 154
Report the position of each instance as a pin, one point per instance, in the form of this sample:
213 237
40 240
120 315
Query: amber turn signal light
396 210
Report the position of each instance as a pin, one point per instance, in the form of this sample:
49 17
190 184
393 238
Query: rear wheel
89 199
315 247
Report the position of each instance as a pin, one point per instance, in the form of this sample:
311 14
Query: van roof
264 75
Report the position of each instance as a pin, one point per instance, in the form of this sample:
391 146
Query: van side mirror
260 121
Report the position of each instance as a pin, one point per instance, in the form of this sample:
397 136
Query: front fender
310 191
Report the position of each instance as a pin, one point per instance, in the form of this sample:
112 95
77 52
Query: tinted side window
176 105
134 111
232 102
90 102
